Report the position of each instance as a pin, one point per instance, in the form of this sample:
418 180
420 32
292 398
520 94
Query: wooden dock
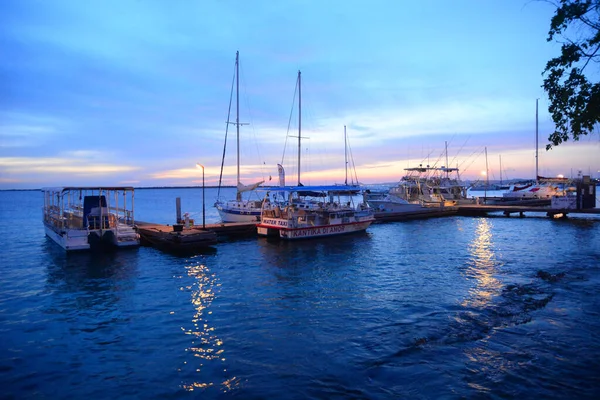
508 210
433 212
180 238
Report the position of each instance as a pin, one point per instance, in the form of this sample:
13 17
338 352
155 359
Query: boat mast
487 175
299 122
500 157
536 141
345 156
237 118
447 166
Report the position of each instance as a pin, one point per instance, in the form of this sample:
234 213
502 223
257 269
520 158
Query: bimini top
320 189
70 188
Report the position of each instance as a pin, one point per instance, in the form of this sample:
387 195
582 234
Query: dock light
203 202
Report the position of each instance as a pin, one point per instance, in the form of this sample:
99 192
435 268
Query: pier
508 210
179 237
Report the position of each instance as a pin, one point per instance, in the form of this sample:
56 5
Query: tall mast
446 144
237 116
487 174
500 157
299 122
536 141
345 156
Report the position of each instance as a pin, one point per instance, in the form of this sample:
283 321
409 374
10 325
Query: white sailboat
302 212
544 188
239 210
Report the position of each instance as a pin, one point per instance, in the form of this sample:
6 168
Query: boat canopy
60 189
319 189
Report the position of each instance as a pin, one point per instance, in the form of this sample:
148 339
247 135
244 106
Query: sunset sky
136 92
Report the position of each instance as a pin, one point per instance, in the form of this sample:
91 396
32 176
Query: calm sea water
443 308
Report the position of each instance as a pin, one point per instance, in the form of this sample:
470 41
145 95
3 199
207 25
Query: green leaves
574 99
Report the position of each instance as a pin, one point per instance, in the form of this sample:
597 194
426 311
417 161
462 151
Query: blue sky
136 92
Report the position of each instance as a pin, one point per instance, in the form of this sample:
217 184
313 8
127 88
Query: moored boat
239 210
88 218
302 212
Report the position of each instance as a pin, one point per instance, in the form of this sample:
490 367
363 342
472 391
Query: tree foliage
571 79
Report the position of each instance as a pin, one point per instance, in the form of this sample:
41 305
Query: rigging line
461 147
426 158
480 152
352 159
287 135
247 101
226 131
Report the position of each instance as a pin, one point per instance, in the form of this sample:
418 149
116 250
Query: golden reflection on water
205 345
482 266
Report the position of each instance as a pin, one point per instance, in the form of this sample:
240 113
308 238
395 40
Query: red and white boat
302 212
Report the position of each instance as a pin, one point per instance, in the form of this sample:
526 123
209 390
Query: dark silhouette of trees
571 79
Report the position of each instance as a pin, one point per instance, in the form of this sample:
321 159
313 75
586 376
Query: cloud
50 166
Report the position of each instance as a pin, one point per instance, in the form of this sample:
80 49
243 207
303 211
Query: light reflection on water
482 266
206 346
444 308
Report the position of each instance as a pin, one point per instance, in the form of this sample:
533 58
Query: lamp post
203 208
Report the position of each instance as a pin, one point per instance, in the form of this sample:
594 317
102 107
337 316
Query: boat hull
393 206
242 213
271 229
81 239
70 240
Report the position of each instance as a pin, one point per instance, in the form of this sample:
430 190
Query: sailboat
544 188
302 212
238 210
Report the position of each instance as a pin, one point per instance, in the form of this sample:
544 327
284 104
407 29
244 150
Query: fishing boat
89 218
238 210
302 212
420 187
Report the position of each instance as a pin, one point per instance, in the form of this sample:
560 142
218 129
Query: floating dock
177 237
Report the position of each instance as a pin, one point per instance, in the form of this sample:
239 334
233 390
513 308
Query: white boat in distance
84 218
238 210
544 188
302 212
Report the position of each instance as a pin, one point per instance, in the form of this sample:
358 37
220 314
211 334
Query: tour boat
238 210
84 218
302 212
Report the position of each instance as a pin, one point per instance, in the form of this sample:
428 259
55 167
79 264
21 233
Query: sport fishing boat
301 212
238 210
84 218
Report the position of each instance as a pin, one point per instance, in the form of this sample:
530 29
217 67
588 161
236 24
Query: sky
137 92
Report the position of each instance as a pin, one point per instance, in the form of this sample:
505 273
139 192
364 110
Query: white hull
535 192
311 232
239 212
70 240
78 239
379 206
